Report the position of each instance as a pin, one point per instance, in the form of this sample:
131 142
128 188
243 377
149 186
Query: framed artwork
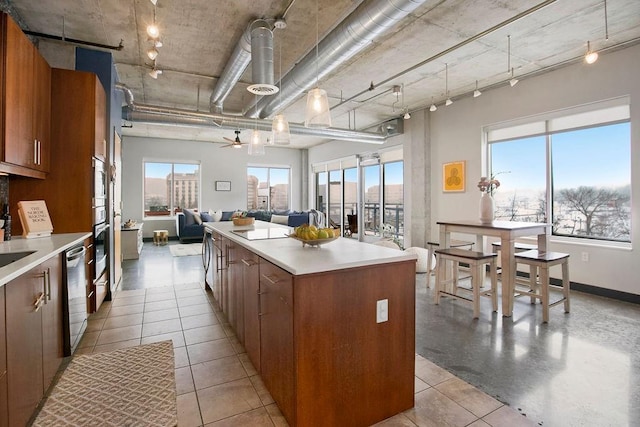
453 177
223 185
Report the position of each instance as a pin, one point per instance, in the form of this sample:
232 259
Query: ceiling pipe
236 66
141 113
369 20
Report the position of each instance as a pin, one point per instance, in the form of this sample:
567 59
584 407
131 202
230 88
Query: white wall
454 133
217 164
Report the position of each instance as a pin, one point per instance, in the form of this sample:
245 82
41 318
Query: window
575 169
170 187
268 188
394 197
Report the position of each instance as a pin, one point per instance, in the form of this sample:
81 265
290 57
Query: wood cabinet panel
251 285
26 110
276 337
4 411
52 321
235 313
24 345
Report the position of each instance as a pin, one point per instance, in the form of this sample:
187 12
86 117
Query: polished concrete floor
580 369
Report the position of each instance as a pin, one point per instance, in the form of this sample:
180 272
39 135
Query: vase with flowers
487 206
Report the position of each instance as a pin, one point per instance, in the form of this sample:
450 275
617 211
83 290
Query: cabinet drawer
274 279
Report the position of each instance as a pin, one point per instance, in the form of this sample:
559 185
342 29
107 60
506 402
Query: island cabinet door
52 334
251 283
234 283
4 412
24 302
276 337
220 263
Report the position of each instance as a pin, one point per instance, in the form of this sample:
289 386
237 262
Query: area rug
186 249
132 386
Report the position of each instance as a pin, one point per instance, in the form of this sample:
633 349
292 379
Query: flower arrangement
488 185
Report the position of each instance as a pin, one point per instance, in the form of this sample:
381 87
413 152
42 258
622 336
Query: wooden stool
452 244
541 261
518 247
160 237
476 261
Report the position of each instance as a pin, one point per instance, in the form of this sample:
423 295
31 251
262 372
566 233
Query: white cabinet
132 242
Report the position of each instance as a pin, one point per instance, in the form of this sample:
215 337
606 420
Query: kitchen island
331 330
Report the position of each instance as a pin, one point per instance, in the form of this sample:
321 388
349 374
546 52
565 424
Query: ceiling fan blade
228 139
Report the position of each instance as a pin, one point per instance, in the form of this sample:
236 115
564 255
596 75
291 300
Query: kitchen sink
9 257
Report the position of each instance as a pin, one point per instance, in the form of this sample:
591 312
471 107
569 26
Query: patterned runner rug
128 387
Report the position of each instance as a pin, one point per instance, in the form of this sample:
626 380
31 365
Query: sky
598 156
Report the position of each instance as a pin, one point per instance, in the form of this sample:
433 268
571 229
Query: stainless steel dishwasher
75 313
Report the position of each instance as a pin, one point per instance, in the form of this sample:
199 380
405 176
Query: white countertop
43 247
289 254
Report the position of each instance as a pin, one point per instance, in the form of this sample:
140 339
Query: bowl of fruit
313 236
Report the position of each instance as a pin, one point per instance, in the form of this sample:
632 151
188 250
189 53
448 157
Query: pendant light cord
317 43
606 24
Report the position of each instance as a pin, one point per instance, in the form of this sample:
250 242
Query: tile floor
218 386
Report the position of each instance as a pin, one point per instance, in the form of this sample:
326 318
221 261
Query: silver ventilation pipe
262 60
369 20
169 116
236 66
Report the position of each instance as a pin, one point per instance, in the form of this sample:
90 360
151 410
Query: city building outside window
268 188
170 187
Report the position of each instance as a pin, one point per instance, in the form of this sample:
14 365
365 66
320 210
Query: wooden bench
539 263
476 261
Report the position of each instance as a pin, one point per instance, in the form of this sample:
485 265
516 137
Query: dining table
507 232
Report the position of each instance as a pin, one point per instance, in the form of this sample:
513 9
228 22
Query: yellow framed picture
453 176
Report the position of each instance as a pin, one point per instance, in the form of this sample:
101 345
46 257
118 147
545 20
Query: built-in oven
100 184
100 248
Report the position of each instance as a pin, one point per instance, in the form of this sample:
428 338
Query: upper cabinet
25 110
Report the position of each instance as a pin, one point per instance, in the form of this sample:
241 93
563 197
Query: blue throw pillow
226 215
189 218
296 220
206 217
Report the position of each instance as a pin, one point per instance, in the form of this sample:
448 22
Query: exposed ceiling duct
262 60
368 21
169 116
237 64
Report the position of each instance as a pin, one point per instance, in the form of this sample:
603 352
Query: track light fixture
476 93
152 53
152 29
155 72
433 108
591 56
406 116
513 80
446 85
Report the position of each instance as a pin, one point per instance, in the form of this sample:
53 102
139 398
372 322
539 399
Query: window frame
268 171
615 107
172 210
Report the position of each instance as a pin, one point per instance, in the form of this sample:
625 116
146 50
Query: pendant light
280 134
256 146
152 29
433 106
406 116
513 80
446 85
591 56
317 114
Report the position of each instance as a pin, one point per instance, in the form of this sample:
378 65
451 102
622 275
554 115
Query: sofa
189 222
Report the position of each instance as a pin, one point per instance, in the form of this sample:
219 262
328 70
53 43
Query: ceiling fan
235 143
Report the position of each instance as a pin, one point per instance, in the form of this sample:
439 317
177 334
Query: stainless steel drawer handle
270 280
39 301
249 263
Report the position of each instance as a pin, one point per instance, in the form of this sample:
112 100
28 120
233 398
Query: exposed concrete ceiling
199 36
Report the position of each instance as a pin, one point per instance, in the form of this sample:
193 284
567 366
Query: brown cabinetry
276 336
4 412
34 337
77 123
26 97
235 306
251 305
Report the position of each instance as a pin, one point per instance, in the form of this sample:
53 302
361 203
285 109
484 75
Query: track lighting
152 53
446 85
433 107
154 2
153 31
476 93
406 116
513 80
591 56
155 72
448 102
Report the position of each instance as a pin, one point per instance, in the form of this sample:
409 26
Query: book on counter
35 219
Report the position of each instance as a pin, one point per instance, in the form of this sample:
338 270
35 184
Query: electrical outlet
585 256
382 311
